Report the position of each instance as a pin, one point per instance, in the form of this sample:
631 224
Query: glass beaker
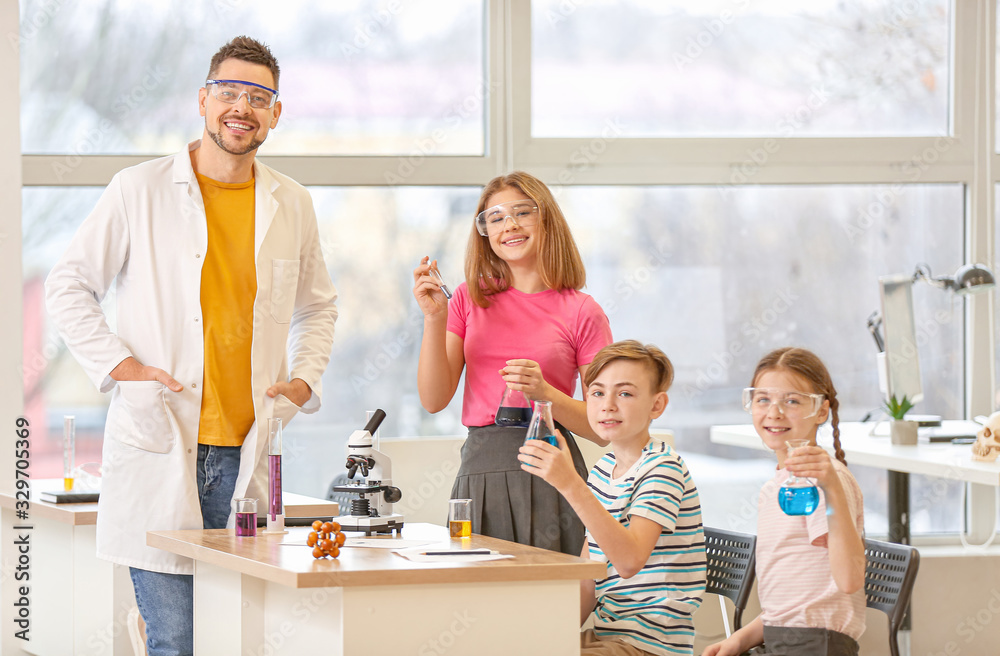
246 517
460 518
542 427
798 496
514 409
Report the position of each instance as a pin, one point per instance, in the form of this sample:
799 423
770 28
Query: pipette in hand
444 288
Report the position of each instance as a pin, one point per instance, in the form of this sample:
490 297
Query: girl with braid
810 568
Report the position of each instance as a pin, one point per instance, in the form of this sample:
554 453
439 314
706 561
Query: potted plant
901 430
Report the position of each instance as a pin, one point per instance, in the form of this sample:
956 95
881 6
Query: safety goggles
794 405
492 220
230 92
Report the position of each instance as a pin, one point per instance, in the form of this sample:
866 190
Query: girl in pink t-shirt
519 321
810 568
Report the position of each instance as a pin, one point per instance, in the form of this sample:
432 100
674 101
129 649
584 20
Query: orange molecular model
325 539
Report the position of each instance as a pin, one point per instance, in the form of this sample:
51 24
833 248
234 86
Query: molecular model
325 539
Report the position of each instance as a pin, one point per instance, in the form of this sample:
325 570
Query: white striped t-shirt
794 580
653 610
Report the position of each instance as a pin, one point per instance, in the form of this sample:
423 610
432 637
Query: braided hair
805 363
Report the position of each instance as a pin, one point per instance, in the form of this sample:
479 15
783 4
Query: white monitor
899 327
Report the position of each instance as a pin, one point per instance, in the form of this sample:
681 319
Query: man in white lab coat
225 317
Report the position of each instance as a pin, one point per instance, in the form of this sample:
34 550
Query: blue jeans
166 601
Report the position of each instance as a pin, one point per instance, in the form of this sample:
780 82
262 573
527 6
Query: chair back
890 571
730 570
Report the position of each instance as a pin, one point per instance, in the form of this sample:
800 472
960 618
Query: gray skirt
796 641
509 503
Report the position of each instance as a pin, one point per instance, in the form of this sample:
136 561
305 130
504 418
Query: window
719 278
740 68
737 176
358 78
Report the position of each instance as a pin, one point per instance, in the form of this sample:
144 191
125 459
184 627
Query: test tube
275 511
69 450
444 288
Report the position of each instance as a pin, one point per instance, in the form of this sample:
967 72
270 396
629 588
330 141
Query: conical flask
798 496
514 409
542 427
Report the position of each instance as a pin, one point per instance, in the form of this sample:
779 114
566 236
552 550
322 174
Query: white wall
11 390
11 382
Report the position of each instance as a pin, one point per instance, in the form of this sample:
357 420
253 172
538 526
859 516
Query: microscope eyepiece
375 421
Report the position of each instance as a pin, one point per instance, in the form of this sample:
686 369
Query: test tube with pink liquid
275 511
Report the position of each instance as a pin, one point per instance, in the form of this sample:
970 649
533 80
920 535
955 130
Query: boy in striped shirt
640 507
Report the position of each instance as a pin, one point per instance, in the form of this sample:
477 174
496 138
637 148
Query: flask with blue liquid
798 496
542 427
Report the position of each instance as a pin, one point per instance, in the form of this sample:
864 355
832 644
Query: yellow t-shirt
228 288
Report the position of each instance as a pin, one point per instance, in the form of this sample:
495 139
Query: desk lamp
895 292
969 279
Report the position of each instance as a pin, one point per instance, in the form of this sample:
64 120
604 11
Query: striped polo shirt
654 609
794 580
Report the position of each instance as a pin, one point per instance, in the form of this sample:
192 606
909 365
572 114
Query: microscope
370 515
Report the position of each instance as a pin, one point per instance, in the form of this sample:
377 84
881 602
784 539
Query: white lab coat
149 232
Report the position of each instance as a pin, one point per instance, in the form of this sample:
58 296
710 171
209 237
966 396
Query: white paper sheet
417 555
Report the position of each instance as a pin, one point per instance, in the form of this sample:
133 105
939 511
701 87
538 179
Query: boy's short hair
245 49
651 356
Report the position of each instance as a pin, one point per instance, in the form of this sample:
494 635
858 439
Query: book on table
72 496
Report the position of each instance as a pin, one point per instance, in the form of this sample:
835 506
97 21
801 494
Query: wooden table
264 595
80 603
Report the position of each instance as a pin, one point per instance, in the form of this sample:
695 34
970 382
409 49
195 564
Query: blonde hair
559 261
809 367
655 360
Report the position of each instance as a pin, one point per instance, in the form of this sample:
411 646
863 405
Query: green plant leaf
897 409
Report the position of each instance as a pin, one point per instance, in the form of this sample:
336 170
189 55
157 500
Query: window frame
970 159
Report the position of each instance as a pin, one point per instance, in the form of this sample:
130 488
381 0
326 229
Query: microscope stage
369 525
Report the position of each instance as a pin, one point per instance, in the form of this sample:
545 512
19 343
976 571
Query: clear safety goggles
794 405
493 220
230 92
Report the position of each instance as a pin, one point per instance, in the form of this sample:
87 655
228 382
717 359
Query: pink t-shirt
794 580
560 330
